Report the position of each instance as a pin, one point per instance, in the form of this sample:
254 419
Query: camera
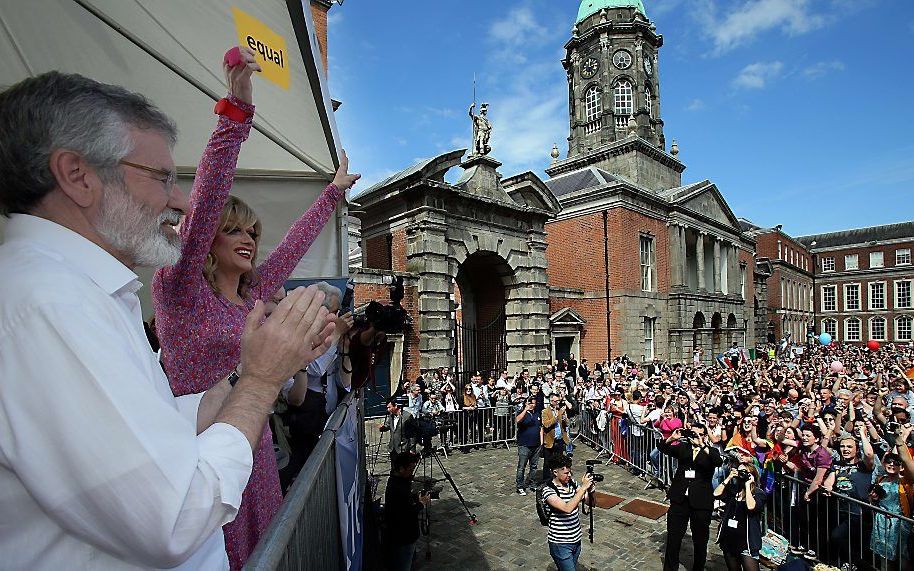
387 318
742 476
426 485
589 464
688 434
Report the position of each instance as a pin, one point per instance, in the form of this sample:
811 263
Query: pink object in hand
233 57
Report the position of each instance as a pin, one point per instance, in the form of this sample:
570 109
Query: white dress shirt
101 467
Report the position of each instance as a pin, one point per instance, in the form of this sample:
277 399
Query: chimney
319 9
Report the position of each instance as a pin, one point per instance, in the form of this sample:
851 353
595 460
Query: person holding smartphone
556 438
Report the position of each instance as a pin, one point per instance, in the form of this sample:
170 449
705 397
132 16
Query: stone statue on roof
482 130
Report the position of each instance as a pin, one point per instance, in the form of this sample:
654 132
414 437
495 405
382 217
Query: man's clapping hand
297 332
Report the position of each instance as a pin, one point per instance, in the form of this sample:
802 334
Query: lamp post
815 292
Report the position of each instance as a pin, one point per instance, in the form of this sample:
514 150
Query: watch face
589 67
622 59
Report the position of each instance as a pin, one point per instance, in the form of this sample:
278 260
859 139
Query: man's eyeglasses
167 178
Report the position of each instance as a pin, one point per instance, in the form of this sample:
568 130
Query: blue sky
799 110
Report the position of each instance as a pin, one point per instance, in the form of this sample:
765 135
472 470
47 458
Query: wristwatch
233 377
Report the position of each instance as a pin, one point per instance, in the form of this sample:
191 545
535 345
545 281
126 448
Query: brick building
864 282
645 265
790 291
612 254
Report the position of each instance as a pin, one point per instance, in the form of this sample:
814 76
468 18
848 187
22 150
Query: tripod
430 457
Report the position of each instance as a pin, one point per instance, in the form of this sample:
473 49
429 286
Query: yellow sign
269 47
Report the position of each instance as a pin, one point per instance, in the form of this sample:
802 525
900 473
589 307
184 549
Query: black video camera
388 318
429 487
589 464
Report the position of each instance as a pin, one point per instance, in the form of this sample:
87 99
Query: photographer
401 512
691 499
740 531
529 443
556 439
564 498
395 423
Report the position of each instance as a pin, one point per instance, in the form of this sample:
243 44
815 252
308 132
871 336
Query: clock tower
614 94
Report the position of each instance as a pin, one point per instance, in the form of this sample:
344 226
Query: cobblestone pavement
508 534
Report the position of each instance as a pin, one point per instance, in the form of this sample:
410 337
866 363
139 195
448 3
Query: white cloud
695 105
758 75
822 68
528 119
517 32
743 20
334 18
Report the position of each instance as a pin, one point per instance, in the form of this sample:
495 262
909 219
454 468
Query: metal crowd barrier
838 528
632 446
460 429
305 532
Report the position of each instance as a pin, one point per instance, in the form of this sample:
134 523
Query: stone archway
481 289
698 323
717 333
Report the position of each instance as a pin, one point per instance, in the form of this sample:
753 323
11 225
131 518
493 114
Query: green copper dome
591 7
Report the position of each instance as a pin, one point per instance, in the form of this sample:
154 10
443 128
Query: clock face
622 59
589 67
647 66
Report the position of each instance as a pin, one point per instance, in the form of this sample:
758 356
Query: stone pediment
567 316
529 190
706 200
426 169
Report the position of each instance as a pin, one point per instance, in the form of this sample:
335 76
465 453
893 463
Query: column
734 270
683 245
700 257
675 262
716 261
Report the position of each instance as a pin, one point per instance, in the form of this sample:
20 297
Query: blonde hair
236 215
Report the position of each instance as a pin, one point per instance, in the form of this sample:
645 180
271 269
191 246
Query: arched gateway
478 248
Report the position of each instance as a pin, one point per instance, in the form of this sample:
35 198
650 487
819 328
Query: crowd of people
823 430
112 455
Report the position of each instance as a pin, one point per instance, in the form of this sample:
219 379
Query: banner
349 496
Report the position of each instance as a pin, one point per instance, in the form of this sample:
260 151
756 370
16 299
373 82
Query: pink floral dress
200 330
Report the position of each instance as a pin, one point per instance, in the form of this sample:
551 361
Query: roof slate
860 235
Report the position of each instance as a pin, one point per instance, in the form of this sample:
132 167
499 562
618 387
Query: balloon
837 366
825 339
872 345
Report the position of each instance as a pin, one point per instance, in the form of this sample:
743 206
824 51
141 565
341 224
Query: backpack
544 510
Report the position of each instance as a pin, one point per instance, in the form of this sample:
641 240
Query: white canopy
171 51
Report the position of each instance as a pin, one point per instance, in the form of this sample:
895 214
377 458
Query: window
830 326
742 281
850 262
828 264
592 104
649 323
903 294
876 260
903 257
877 328
623 101
647 263
648 102
852 329
903 328
851 297
877 295
829 298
